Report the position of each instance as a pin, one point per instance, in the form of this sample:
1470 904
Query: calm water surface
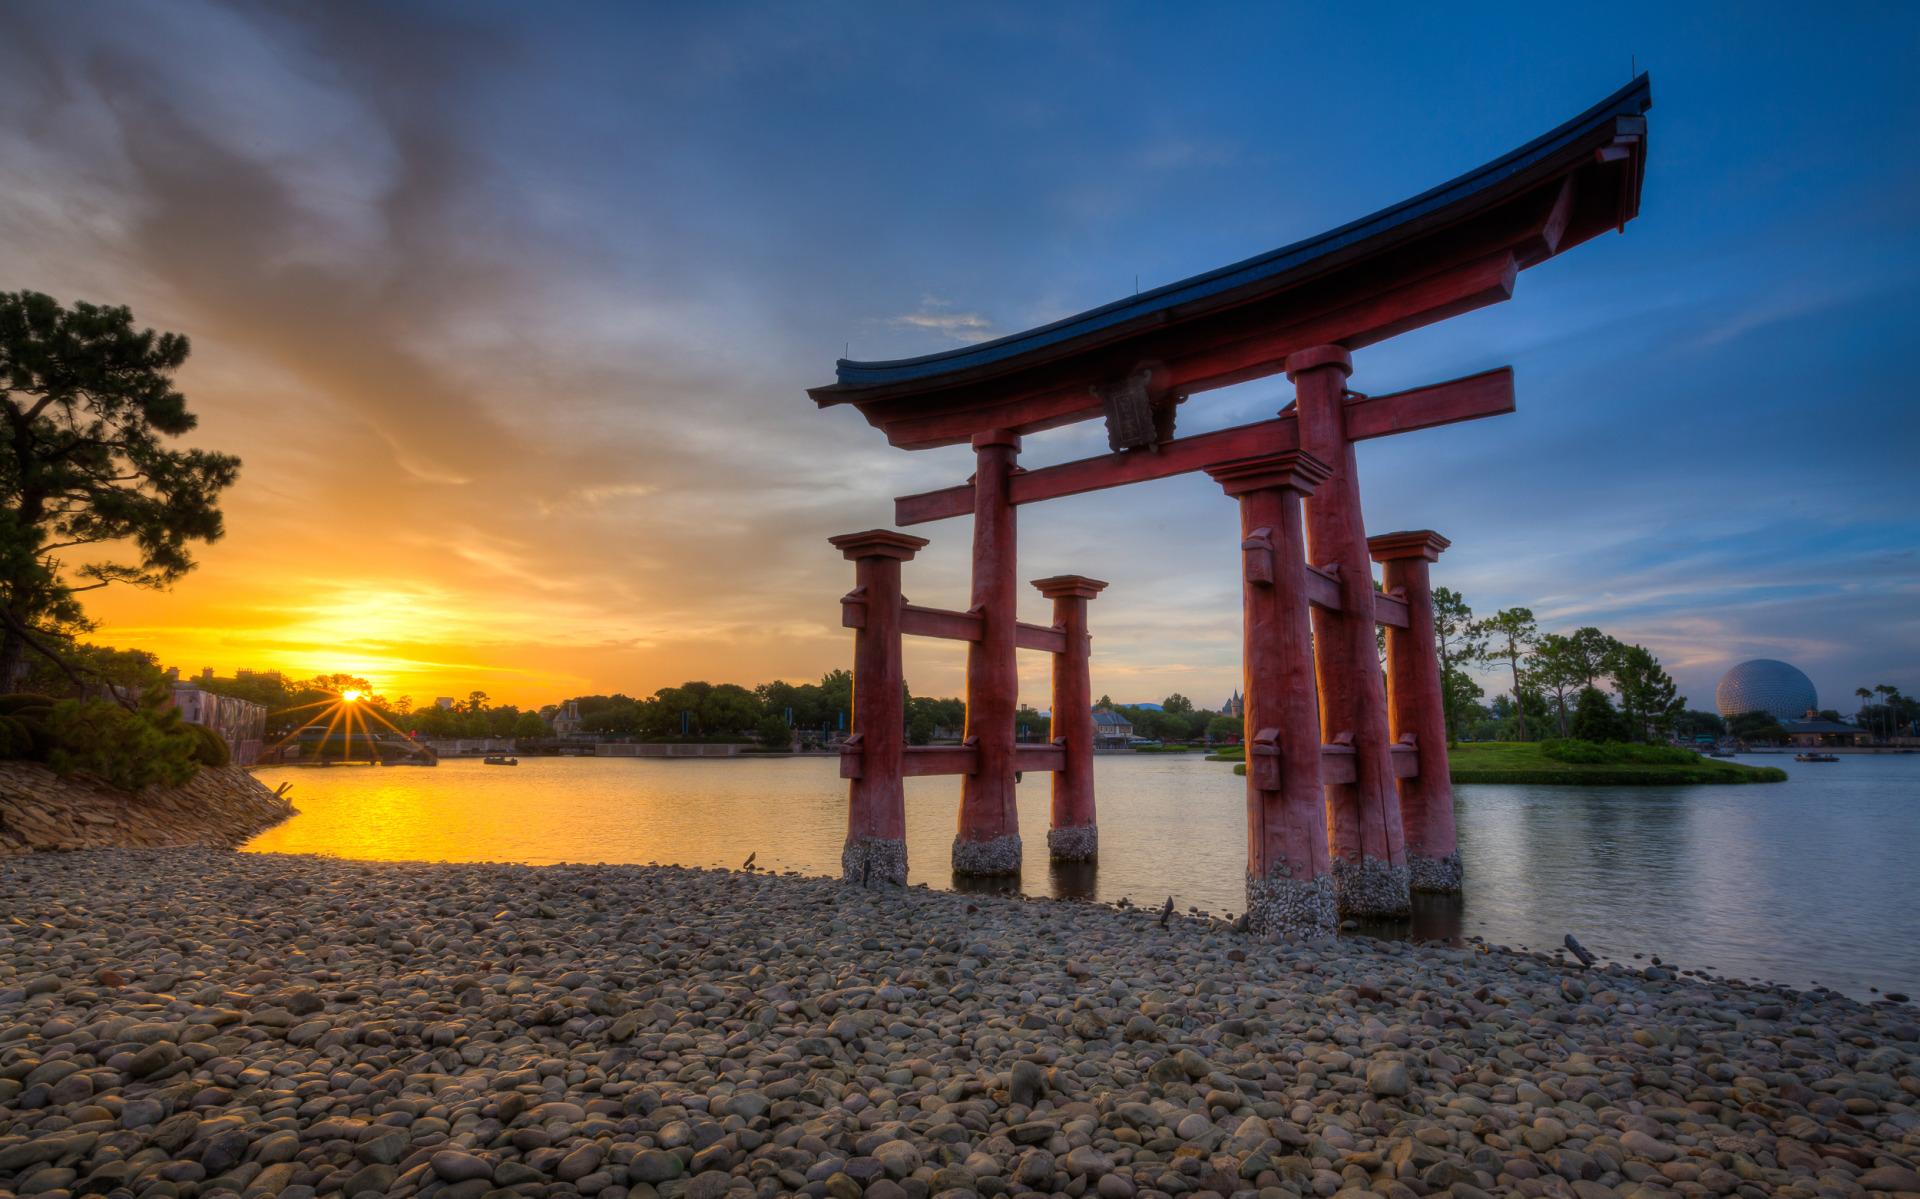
1808 881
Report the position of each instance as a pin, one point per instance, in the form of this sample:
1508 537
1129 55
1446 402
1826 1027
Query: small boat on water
499 760
1816 757
1717 752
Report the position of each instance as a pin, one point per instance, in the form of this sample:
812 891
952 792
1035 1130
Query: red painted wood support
1363 817
876 848
988 840
922 760
1074 834
1489 393
1289 876
1417 709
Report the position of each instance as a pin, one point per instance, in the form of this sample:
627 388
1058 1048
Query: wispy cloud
938 316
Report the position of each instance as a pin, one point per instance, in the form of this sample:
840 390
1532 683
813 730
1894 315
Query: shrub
14 705
127 749
1577 753
1594 718
1617 753
209 748
773 734
17 738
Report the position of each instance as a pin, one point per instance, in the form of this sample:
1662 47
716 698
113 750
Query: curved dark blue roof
1226 283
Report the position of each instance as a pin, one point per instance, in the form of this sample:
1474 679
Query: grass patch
1166 749
1586 764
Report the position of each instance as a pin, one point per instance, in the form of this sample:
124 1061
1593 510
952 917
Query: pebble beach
196 1022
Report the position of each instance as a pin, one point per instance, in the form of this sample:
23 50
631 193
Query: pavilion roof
1558 190
1819 726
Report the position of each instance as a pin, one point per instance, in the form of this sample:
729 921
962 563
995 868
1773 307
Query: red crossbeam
1039 758
917 620
1487 394
918 760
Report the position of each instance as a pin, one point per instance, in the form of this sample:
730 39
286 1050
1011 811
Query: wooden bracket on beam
1406 758
853 756
1337 764
1256 557
1263 759
853 608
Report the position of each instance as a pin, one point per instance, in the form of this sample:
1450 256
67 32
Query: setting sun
349 697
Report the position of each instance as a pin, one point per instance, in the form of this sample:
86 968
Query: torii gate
1348 799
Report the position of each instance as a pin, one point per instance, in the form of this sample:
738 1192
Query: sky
509 311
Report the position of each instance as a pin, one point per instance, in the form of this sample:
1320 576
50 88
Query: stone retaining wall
220 806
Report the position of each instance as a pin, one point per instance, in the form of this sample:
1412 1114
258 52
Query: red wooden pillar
1074 835
1416 706
1363 817
876 849
1289 875
988 841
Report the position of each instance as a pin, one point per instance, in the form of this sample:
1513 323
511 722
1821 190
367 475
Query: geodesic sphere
1766 685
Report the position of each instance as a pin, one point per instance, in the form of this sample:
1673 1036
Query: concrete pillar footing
1441 875
1074 844
1000 856
1279 906
1371 887
874 862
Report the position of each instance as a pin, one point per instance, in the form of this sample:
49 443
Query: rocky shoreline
221 806
194 1022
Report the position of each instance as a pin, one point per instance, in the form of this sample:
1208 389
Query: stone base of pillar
1279 906
1000 856
875 863
1074 844
1371 887
1442 875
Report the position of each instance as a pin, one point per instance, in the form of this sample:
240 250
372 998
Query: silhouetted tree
87 405
1513 633
1462 642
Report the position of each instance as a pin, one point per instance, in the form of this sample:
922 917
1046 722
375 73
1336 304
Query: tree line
1584 683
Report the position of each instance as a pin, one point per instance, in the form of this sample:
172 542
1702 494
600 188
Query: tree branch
75 674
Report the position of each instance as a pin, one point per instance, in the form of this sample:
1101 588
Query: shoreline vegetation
191 1021
1581 764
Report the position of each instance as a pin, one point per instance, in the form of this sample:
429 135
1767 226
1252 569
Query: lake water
1809 881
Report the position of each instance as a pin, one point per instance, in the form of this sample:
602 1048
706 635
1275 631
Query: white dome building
1766 685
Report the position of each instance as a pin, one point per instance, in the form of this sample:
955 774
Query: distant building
1147 707
1236 706
444 703
1810 732
1110 729
241 723
566 720
1777 688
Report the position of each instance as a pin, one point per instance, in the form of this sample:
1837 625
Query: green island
1581 764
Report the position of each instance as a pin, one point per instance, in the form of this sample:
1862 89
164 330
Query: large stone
1028 1085
1388 1077
454 1165
653 1166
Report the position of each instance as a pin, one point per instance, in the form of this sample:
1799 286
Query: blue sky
512 308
